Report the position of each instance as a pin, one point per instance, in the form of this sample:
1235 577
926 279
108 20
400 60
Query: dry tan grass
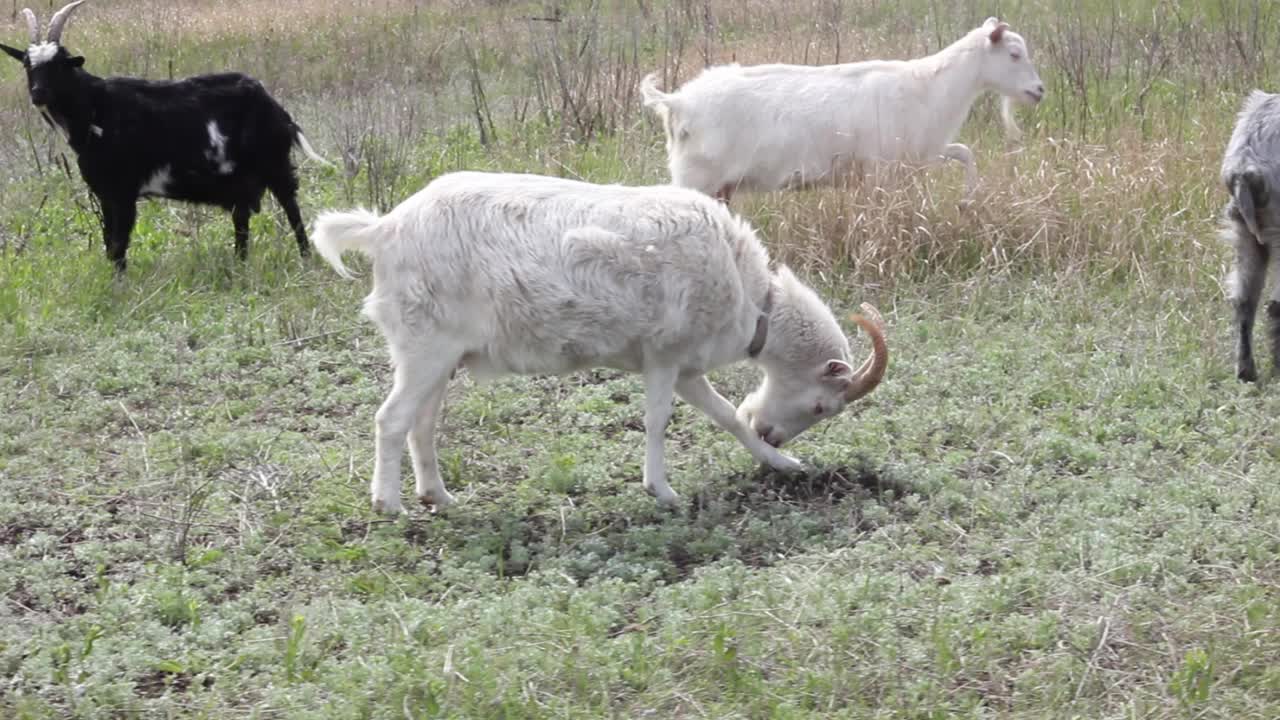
1134 209
213 18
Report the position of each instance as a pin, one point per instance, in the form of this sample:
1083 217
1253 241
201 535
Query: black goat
212 139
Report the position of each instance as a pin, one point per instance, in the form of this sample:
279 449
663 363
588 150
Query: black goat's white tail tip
310 151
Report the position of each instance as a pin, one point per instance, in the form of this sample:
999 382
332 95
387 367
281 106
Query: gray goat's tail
336 232
1249 190
301 141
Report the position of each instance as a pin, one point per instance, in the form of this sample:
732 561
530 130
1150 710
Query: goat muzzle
872 371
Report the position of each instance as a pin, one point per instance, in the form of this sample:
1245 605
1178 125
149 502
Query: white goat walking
769 127
508 273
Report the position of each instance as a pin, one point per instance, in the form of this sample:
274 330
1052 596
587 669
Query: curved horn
872 371
59 21
33 27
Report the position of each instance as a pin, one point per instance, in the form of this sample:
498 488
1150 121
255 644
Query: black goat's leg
240 219
1247 276
118 218
286 193
108 224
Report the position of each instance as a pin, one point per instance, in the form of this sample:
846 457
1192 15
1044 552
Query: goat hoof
439 501
786 463
389 506
666 497
1247 373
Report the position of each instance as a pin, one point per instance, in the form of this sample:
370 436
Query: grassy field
1060 504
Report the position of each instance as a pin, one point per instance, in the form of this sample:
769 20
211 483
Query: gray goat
1251 222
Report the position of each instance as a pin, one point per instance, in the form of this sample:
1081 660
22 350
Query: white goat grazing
507 273
768 127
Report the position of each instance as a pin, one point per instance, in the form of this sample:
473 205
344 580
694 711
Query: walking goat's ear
15 53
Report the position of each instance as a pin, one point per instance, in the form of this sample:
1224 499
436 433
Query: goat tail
1249 190
662 104
653 97
301 141
336 232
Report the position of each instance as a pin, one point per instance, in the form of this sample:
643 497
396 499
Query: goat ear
837 370
15 53
77 61
997 34
990 22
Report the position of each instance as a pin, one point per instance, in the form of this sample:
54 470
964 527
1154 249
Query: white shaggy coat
507 273
769 127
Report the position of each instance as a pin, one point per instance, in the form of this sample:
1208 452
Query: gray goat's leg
659 393
1273 313
422 447
418 373
1247 276
697 391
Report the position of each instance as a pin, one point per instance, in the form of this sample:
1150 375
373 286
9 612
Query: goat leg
418 375
1246 369
1273 328
1245 284
422 447
963 155
697 391
659 393
240 219
118 218
286 193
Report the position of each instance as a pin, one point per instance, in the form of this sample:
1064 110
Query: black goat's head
50 68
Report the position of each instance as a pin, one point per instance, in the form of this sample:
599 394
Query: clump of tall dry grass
1134 210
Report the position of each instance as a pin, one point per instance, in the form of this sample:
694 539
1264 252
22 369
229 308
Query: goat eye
1016 57
817 409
